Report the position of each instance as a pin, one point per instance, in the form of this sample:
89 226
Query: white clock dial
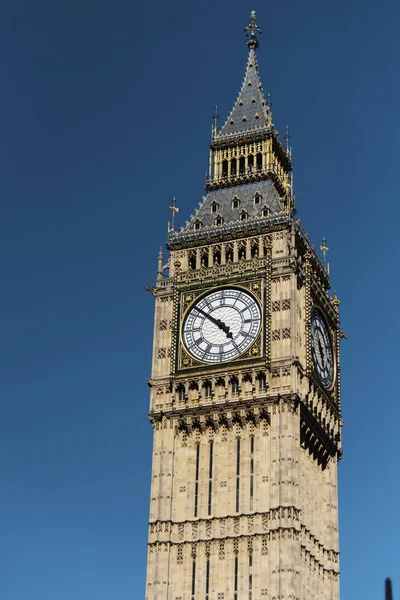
321 348
222 325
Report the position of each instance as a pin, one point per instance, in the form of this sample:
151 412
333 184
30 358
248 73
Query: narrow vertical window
196 483
235 591
207 578
237 473
193 578
250 576
251 470
210 477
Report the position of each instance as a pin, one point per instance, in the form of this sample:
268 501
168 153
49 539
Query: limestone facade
243 502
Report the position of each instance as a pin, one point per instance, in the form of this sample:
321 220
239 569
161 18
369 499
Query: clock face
321 348
222 325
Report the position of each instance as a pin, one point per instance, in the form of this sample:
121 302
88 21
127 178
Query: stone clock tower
245 384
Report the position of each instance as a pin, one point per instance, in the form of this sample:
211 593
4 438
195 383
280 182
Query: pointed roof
251 198
251 111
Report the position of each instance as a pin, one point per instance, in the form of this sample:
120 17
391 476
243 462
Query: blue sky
105 114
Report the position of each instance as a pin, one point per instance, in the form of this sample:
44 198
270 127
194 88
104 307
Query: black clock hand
321 350
216 322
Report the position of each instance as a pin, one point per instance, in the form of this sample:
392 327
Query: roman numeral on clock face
227 321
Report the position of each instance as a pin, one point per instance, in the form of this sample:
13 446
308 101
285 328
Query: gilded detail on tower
245 383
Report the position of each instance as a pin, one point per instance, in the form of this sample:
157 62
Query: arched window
219 220
235 202
244 215
207 388
262 383
197 225
217 255
257 199
234 385
204 257
265 211
180 391
192 259
214 207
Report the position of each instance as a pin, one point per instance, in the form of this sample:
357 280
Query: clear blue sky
105 114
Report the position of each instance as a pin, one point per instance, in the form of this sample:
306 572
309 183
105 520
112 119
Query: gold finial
335 301
174 209
324 249
251 30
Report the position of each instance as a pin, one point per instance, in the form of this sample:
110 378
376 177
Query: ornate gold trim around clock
256 286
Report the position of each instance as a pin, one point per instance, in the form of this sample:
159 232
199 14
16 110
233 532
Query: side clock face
321 348
222 325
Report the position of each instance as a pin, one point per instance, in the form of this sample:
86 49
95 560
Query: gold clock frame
187 297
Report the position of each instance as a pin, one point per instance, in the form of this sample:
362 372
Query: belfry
245 383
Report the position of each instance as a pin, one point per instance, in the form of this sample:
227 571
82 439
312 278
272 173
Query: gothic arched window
207 388
234 381
262 383
180 392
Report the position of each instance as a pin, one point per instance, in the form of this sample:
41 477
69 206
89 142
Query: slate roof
245 194
250 112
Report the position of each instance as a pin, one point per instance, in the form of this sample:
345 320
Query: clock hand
321 350
216 322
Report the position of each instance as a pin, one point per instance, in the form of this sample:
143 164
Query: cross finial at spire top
251 31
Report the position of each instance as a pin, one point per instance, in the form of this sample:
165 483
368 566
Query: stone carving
221 551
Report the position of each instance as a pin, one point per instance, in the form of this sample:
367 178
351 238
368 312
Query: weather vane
174 209
251 30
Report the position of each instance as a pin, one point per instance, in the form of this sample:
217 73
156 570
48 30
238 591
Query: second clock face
222 325
321 348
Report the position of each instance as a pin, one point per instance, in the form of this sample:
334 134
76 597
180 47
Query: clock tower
245 384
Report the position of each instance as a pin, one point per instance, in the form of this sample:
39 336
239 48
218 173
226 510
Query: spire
251 111
248 182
